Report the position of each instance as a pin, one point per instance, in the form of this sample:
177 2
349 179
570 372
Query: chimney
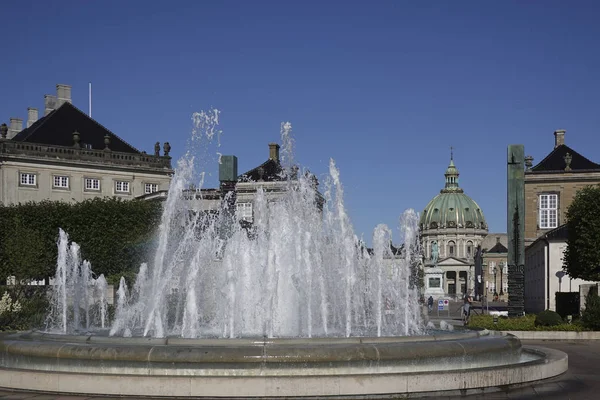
63 94
16 126
49 104
32 116
559 137
274 151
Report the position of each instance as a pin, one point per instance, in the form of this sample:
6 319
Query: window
492 265
87 146
121 187
150 188
61 182
28 179
244 211
548 211
451 248
435 283
469 249
92 184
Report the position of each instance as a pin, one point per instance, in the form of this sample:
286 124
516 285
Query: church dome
452 208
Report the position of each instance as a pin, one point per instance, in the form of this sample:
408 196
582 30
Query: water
74 284
298 271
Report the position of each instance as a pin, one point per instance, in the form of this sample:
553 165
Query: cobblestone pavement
580 382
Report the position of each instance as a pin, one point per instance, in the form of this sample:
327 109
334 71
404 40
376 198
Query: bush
591 315
525 323
548 318
567 303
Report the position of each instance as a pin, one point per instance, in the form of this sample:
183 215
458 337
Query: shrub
525 323
591 315
548 318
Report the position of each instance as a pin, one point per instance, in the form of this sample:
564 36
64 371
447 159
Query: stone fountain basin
90 364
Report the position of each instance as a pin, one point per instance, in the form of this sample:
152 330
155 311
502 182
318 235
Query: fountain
293 305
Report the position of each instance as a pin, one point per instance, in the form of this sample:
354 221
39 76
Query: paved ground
581 382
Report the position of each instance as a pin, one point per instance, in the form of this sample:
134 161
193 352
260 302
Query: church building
452 225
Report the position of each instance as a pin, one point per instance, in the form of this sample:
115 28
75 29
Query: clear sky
383 87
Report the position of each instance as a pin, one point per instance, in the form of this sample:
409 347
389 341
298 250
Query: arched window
469 248
451 248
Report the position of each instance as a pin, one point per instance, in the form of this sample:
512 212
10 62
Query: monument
516 229
434 276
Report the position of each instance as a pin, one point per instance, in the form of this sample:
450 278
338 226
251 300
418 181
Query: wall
11 192
543 268
565 184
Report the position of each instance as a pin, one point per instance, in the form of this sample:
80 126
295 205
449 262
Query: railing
8 147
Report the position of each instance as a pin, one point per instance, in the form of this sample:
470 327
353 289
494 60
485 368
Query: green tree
591 315
582 257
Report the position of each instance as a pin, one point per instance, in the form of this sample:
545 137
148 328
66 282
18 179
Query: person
467 308
430 303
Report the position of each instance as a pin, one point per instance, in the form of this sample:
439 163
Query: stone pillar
516 229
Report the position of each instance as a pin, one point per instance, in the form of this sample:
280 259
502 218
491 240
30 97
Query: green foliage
567 303
525 323
582 257
113 235
548 318
31 310
591 315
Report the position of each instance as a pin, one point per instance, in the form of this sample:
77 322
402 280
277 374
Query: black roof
555 161
559 233
269 171
498 248
57 129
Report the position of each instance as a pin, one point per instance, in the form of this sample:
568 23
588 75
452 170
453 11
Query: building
550 188
495 266
452 225
551 185
270 177
68 156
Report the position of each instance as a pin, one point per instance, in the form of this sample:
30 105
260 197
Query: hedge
525 323
114 235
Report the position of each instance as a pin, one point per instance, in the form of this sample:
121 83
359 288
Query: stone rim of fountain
355 366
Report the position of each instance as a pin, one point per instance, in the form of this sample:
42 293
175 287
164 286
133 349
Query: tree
591 315
582 257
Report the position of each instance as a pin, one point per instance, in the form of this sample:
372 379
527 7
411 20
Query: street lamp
501 286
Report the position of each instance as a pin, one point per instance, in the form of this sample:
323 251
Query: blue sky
383 87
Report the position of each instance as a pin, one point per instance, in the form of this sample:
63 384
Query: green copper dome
452 208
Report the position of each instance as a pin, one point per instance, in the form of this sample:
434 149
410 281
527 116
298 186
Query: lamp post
501 286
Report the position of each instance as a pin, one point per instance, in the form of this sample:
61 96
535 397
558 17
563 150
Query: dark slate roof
560 233
498 248
555 161
269 171
57 129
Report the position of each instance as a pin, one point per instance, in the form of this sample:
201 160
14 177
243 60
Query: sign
441 305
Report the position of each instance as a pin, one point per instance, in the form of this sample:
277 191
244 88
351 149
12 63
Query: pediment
452 261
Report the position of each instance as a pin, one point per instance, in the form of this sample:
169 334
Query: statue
157 149
167 148
434 253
